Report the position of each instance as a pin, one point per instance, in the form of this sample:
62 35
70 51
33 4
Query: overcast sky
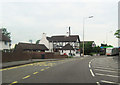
28 19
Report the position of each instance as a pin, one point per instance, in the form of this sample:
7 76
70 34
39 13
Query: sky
28 19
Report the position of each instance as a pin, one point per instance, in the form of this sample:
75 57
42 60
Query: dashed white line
89 65
92 72
90 68
98 83
105 75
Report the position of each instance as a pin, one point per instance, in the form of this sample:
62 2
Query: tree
87 47
96 49
117 33
5 32
37 42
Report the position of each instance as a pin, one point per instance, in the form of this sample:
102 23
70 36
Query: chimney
69 31
44 35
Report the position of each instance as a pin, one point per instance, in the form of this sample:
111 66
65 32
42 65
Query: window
5 43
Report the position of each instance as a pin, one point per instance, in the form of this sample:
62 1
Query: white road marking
110 57
92 72
106 75
89 65
109 82
91 69
106 70
98 83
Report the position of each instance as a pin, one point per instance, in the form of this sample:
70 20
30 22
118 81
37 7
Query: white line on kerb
92 72
98 83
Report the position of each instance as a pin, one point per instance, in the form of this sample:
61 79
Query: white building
63 44
119 21
5 42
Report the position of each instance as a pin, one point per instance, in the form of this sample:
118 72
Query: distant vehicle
112 51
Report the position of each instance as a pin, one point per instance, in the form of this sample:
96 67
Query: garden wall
18 56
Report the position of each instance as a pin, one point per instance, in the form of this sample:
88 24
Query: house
5 41
62 43
30 47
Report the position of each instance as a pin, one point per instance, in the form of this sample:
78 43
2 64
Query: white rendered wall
119 21
3 46
46 42
67 52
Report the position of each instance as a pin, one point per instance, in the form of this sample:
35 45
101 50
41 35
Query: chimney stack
69 31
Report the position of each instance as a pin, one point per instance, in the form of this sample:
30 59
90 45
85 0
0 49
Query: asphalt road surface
100 70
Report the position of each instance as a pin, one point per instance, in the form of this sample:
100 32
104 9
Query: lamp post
83 30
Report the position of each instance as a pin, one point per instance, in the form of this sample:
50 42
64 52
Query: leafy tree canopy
5 32
37 42
117 33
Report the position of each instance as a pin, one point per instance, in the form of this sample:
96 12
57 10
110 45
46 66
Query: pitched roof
4 38
71 38
29 46
67 47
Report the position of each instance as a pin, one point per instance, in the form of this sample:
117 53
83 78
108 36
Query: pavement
17 63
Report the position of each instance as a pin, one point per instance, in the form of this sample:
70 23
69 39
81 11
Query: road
100 70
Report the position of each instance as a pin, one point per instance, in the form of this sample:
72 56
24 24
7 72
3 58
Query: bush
92 54
70 56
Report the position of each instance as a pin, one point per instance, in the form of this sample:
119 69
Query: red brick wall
15 56
18 56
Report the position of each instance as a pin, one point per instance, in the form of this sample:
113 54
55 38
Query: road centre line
42 69
106 75
13 82
15 67
26 77
9 68
98 83
109 82
35 72
106 70
47 67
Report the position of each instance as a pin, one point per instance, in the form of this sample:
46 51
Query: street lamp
83 30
